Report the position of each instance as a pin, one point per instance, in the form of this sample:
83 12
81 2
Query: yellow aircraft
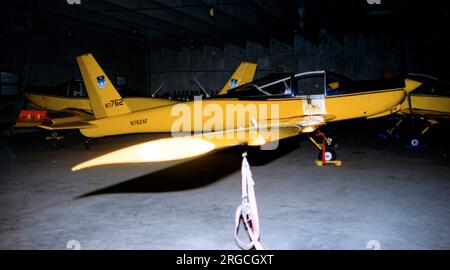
79 109
257 113
429 104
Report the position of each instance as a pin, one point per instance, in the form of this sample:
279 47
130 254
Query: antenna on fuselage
159 88
201 87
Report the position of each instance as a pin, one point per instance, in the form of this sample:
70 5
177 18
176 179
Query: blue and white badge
233 83
101 82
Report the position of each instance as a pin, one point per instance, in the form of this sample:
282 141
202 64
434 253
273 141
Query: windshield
283 85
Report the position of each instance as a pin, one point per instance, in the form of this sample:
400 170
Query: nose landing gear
327 154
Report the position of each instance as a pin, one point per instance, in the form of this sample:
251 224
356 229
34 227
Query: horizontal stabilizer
27 124
69 125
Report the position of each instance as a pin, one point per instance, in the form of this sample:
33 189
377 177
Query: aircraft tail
242 75
411 85
103 96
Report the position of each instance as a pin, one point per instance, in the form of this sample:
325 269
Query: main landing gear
54 136
87 143
417 130
327 154
416 139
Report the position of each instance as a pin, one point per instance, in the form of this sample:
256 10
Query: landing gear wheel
384 135
330 154
414 142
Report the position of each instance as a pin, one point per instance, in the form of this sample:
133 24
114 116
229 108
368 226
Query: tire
330 154
383 135
414 142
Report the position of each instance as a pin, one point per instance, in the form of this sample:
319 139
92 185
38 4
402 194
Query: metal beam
218 25
51 12
121 9
252 16
121 22
221 20
283 11
166 14
97 12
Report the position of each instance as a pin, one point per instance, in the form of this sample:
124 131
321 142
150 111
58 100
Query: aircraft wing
176 148
183 147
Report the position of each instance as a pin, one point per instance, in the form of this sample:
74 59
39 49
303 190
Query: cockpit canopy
287 85
324 83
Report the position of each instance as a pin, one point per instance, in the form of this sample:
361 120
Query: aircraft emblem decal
233 83
101 82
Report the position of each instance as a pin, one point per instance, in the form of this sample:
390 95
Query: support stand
327 155
248 210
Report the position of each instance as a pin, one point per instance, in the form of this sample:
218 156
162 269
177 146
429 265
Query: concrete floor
383 192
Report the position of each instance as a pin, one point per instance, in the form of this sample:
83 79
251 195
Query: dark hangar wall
47 56
357 56
41 38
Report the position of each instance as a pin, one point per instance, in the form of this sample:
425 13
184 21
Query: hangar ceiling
193 23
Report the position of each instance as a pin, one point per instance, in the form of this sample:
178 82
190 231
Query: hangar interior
388 190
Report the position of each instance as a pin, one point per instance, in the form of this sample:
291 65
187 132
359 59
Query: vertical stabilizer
243 74
103 96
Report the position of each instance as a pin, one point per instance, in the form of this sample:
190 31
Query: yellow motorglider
263 111
66 109
423 108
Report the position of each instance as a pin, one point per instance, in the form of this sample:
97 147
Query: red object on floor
324 145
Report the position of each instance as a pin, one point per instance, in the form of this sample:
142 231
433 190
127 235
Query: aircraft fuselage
204 115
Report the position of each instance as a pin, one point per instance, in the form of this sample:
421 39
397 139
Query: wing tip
77 168
81 166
